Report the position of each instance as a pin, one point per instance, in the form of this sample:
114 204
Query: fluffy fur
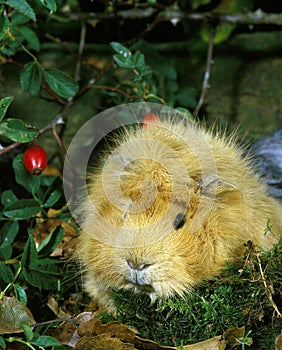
169 207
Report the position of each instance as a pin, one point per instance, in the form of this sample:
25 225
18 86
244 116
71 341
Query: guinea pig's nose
136 266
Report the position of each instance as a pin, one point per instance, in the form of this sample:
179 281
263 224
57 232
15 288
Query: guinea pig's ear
214 187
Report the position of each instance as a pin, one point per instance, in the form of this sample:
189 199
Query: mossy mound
247 294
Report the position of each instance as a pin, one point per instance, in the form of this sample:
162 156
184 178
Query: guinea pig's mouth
143 288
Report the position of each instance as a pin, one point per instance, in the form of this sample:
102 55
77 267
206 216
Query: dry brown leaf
278 342
12 314
52 170
102 342
231 334
215 343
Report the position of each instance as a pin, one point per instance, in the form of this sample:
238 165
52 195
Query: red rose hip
149 119
35 159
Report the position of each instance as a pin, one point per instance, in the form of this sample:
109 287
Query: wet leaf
16 130
12 314
4 105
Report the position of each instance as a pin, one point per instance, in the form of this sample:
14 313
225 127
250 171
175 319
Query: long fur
130 238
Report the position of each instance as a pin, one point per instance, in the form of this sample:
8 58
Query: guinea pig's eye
179 221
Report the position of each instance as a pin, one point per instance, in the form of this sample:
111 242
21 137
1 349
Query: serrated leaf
50 4
22 209
6 273
20 293
8 233
13 314
30 36
23 7
30 78
16 130
51 242
60 82
43 274
29 181
45 341
8 197
30 255
4 26
4 105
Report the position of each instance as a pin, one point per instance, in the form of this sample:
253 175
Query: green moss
237 298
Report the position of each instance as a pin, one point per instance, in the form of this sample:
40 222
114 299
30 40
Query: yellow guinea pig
168 207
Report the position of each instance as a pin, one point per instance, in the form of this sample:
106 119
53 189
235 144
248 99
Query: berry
149 119
35 159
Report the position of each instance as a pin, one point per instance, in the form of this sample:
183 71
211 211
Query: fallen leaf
215 343
278 342
102 342
232 334
12 314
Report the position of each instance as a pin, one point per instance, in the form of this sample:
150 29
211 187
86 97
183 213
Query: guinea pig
167 208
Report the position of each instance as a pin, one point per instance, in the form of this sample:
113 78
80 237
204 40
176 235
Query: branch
206 80
176 15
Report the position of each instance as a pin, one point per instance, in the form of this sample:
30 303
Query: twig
80 51
267 289
59 119
206 80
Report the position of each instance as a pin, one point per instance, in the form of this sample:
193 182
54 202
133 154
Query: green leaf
23 7
4 104
124 62
122 50
4 26
54 192
8 233
22 209
23 177
44 274
30 255
20 293
2 343
8 197
30 36
28 332
30 78
45 340
60 83
50 4
51 242
16 130
5 273
18 18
